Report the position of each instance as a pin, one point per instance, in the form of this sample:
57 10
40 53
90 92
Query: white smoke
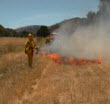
90 42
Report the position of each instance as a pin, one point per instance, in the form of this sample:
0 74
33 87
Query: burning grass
70 61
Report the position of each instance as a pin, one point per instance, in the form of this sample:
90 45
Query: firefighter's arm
26 47
34 46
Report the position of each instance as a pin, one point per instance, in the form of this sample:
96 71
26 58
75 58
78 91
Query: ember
70 61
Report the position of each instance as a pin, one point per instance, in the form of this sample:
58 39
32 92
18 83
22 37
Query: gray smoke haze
90 42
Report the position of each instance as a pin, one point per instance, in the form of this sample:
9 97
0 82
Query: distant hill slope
32 29
70 25
74 22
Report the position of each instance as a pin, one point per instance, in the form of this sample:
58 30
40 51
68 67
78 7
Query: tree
2 31
24 34
104 8
91 16
43 31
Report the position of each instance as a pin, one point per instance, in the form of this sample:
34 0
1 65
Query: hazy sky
18 13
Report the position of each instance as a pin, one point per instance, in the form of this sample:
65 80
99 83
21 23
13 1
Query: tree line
6 32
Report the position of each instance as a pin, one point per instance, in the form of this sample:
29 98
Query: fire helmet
30 35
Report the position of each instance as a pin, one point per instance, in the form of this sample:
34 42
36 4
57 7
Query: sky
19 13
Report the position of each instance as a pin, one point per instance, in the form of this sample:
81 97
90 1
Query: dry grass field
46 82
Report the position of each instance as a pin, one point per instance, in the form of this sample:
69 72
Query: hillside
69 25
32 29
74 22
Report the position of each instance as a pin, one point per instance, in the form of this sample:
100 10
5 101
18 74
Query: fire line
70 61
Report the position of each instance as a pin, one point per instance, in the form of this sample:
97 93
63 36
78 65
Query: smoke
91 41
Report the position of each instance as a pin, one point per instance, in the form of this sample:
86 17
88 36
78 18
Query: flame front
71 61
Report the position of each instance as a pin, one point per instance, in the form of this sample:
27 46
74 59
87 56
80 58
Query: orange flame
71 61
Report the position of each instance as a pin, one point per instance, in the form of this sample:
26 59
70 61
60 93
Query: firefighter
47 40
29 49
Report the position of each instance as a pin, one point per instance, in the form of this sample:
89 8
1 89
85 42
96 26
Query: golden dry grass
47 83
11 45
88 84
